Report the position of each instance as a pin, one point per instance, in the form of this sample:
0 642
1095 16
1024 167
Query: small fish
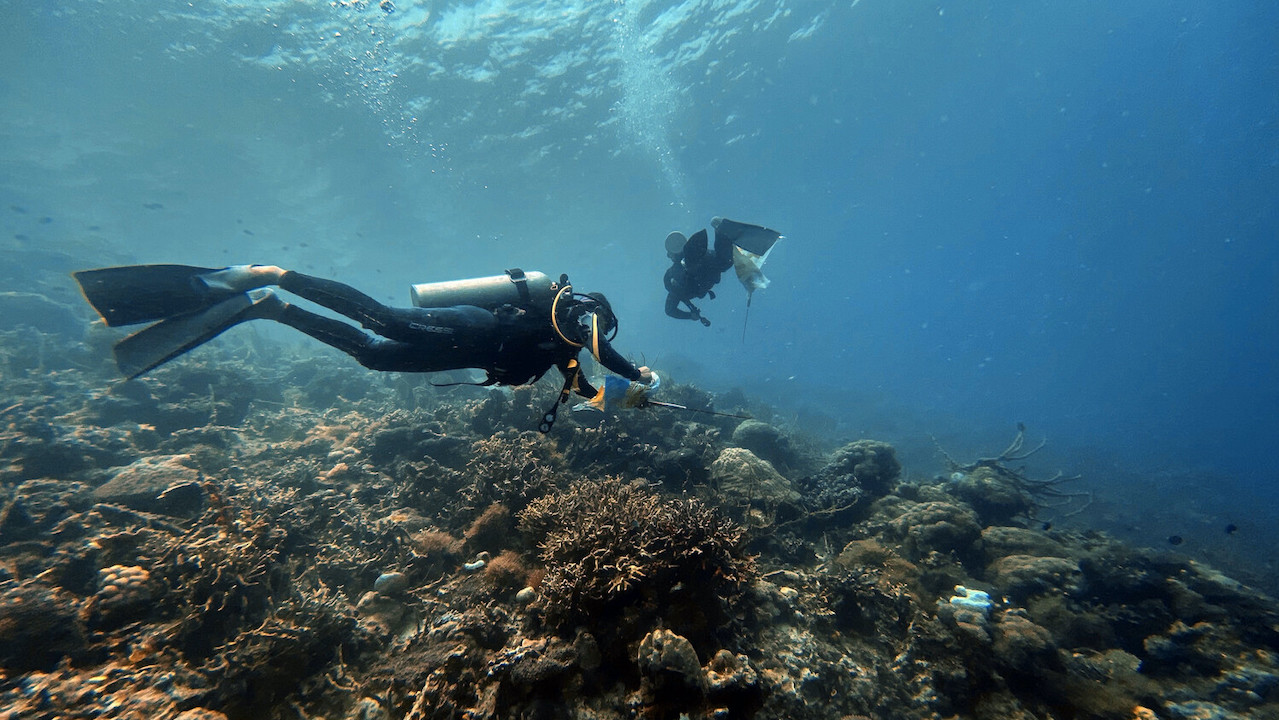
46 220
94 228
247 231
1175 540
1048 525
20 236
18 209
1231 529
153 206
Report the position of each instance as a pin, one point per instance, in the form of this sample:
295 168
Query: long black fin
153 346
133 294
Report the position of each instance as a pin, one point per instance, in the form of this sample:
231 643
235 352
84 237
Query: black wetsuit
694 272
514 345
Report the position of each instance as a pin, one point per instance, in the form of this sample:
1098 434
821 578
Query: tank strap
521 285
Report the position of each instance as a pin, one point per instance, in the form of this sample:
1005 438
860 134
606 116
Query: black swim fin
142 293
151 347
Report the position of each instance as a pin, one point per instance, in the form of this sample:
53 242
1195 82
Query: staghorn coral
606 542
511 468
633 444
231 576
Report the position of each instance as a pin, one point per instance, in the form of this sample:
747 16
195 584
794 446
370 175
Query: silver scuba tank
516 287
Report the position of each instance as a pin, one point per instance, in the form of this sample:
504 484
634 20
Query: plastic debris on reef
970 599
968 610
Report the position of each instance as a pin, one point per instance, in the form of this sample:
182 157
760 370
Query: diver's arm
673 278
614 361
673 308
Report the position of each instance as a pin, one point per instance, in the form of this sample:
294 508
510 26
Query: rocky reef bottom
244 535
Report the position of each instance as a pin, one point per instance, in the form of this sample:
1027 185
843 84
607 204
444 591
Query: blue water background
1063 214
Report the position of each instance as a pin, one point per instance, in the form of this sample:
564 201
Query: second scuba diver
696 268
515 326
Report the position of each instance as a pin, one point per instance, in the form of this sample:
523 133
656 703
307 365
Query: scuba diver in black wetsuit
694 271
515 326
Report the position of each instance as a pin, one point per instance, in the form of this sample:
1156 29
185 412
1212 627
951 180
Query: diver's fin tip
132 294
157 344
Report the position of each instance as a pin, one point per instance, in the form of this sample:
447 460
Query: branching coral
605 542
229 576
511 468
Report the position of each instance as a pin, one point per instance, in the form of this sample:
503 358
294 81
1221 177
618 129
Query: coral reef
231 539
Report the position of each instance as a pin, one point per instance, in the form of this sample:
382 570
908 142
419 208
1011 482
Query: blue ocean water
1062 214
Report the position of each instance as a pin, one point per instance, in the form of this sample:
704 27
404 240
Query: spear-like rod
659 403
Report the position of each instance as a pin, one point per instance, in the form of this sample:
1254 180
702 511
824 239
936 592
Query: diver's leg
372 352
448 335
468 341
723 251
695 249
338 297
673 309
330 331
